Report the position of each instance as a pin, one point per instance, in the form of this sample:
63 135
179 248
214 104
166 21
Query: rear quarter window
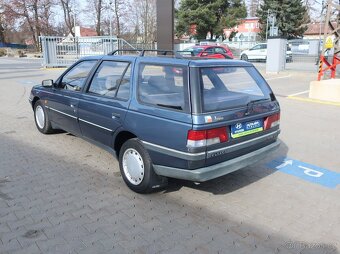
231 87
163 86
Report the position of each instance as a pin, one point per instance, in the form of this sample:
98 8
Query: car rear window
231 87
193 50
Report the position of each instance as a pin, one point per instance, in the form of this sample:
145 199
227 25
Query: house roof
84 31
314 28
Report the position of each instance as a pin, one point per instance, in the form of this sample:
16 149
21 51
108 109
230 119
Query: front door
63 103
103 106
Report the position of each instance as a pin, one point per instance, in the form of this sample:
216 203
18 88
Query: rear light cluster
272 121
200 138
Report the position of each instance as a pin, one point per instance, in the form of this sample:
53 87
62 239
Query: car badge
238 126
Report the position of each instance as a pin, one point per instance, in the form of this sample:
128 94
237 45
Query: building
83 32
247 30
314 30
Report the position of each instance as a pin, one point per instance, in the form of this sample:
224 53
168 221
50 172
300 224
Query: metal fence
64 51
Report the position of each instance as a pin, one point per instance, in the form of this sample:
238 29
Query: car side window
162 86
210 51
220 51
263 46
75 79
109 77
124 88
256 47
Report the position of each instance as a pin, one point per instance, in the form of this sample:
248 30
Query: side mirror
77 88
47 83
204 54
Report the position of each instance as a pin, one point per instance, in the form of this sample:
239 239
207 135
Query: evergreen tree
291 17
208 16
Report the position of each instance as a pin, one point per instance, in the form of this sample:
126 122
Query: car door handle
115 115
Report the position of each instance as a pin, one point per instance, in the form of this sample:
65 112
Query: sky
87 21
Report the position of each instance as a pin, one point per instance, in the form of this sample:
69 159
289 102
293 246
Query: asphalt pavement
61 194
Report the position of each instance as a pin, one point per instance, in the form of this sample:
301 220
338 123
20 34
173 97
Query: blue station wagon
164 116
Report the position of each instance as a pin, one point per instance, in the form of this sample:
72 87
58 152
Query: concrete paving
61 194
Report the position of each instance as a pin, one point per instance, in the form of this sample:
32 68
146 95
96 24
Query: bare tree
68 17
117 8
2 25
99 8
95 9
30 13
144 19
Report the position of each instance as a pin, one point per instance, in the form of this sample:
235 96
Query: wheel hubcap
133 166
40 117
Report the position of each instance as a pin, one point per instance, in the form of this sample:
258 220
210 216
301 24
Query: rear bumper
217 170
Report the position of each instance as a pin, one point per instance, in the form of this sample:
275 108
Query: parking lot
61 194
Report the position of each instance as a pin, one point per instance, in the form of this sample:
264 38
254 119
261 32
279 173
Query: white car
259 52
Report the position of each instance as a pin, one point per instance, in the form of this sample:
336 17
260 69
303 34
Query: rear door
103 105
160 112
236 100
256 52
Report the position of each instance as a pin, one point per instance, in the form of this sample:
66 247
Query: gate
64 51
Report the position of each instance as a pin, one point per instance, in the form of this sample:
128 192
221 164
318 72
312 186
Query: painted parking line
314 101
299 93
53 69
307 172
288 76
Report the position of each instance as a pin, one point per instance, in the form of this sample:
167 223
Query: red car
210 51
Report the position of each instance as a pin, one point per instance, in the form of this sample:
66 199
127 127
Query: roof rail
127 50
142 52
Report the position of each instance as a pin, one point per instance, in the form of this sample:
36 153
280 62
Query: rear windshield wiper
170 106
251 104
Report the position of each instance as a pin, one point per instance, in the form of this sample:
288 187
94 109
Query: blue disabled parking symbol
306 171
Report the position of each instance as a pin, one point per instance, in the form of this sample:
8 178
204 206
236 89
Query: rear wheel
244 57
136 168
41 118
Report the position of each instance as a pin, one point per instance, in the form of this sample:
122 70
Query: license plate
243 129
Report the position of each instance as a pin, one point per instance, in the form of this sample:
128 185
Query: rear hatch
234 111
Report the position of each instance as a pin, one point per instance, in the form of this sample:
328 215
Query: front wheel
41 118
136 168
244 57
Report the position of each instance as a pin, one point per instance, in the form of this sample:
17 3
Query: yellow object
329 42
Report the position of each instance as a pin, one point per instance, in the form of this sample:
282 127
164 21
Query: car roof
187 61
206 46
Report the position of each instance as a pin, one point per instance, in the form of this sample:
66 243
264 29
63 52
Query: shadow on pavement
234 180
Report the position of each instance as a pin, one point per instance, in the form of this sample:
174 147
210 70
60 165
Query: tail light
272 121
207 137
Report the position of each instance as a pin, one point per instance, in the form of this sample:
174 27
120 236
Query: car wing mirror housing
47 83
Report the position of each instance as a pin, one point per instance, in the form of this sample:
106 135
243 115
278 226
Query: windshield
194 50
231 87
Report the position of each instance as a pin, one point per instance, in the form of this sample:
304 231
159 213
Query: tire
244 57
41 118
136 168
